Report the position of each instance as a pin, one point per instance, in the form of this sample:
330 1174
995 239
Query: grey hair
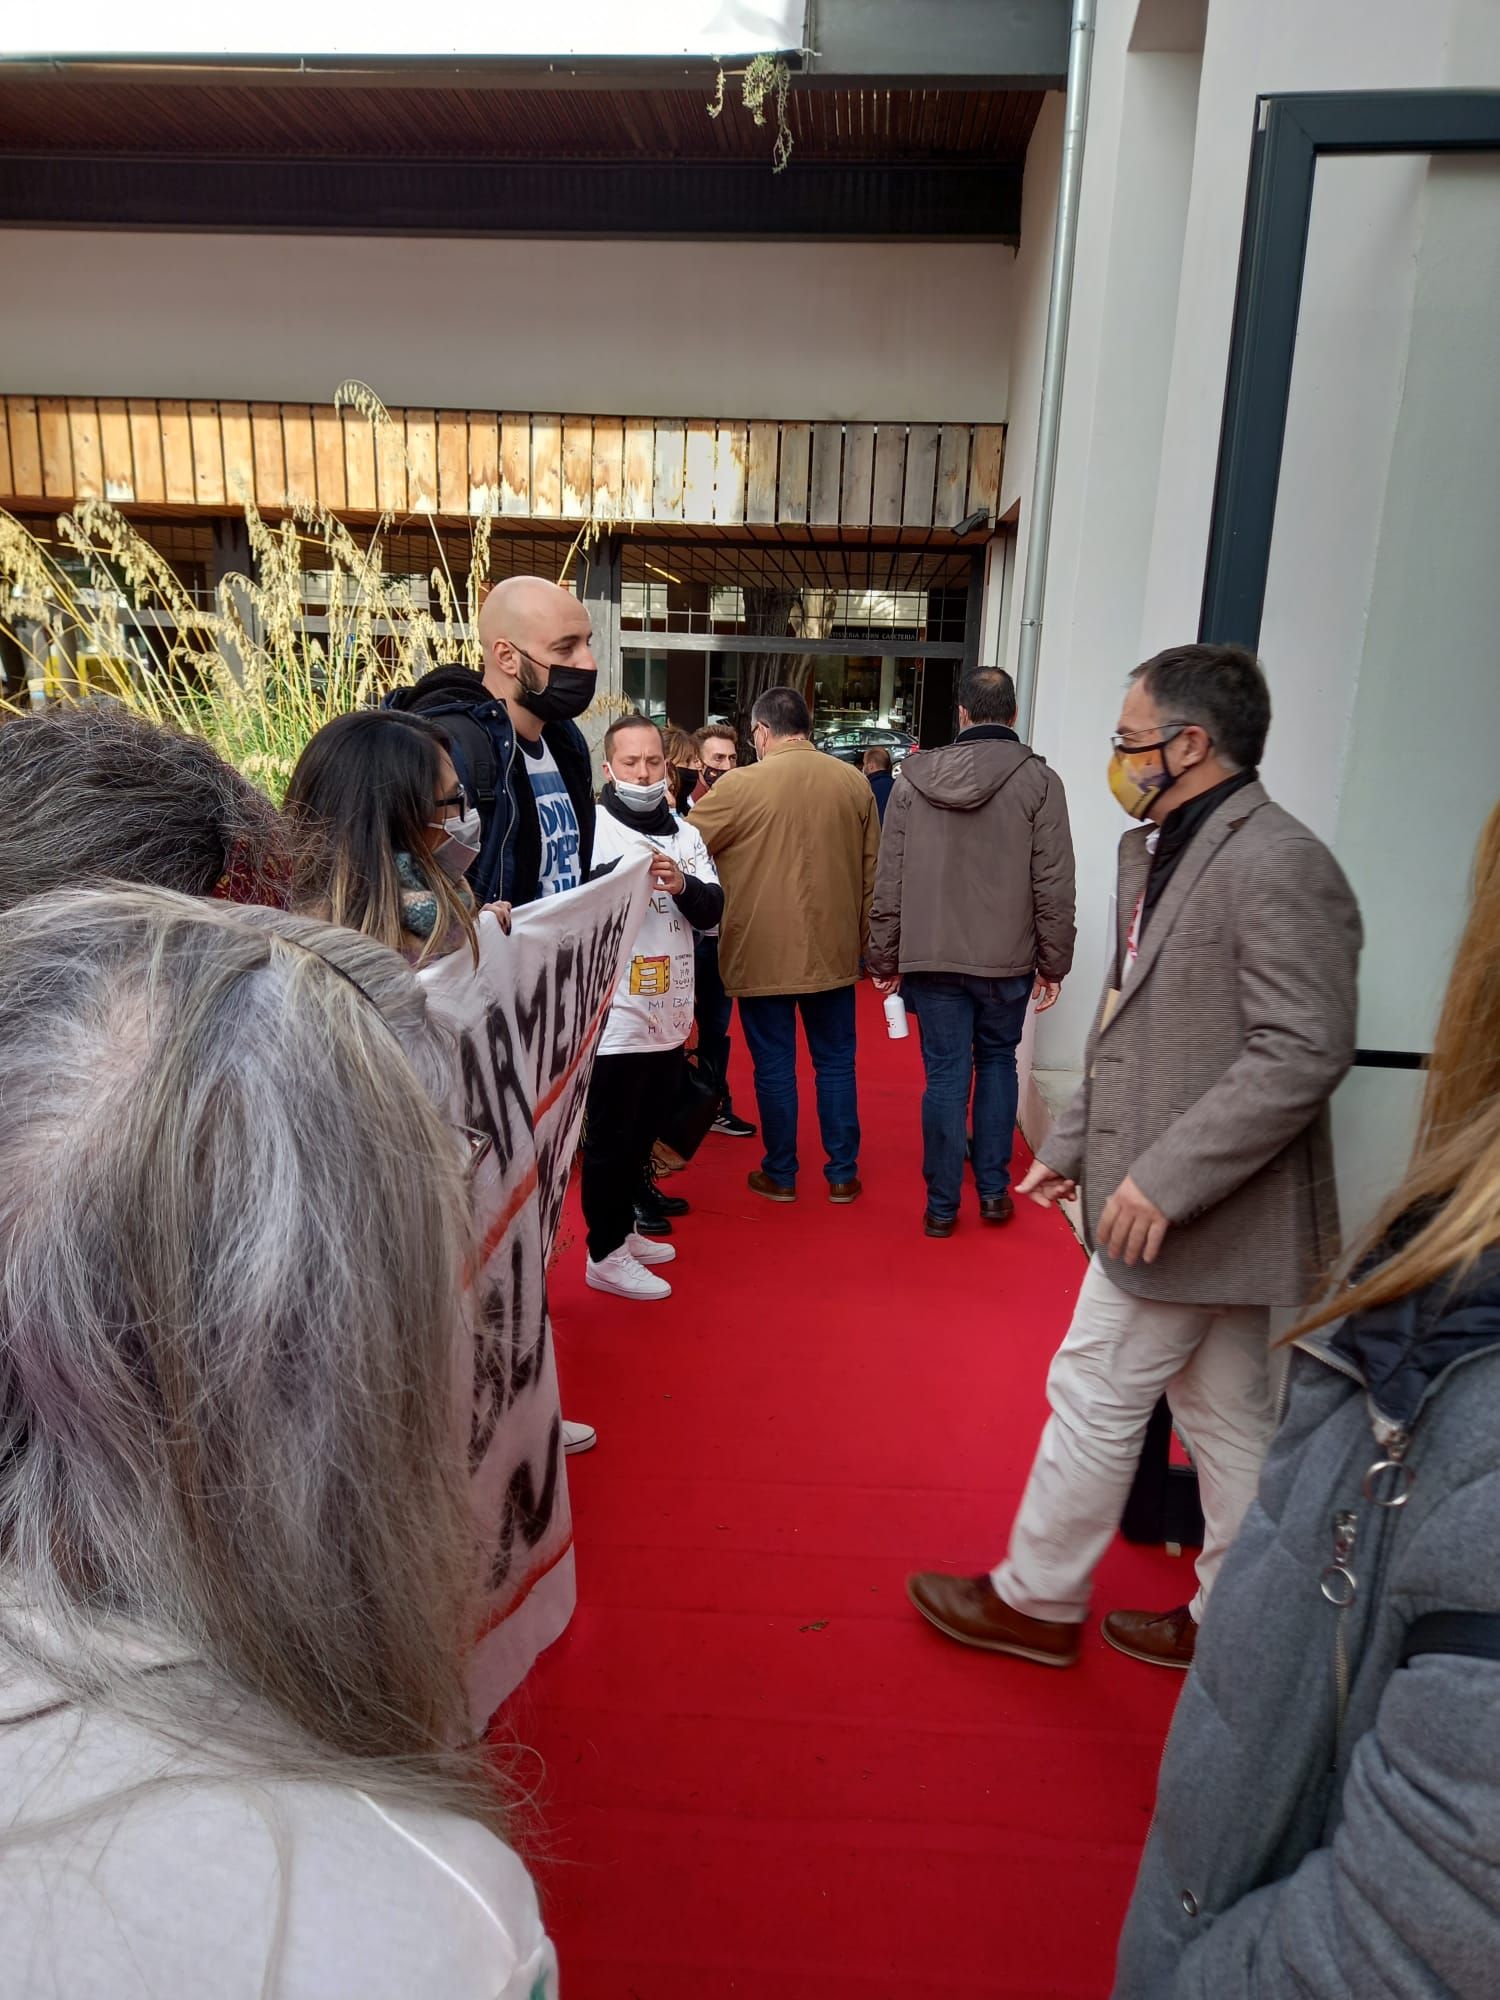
93 793
1220 688
233 1374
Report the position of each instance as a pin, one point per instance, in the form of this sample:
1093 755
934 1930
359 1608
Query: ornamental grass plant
256 669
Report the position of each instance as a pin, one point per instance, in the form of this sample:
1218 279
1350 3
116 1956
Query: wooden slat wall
209 456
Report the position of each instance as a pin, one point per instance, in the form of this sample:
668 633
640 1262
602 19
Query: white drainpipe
1054 361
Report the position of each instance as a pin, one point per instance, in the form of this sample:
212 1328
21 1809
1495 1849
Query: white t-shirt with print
653 1003
561 866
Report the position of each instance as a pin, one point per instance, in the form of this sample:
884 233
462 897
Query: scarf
1175 837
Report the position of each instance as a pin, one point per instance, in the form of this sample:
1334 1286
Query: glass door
1354 538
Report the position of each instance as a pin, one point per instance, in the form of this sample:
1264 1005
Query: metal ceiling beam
938 44
873 640
969 202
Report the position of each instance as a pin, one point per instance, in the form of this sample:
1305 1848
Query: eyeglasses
478 1147
1168 731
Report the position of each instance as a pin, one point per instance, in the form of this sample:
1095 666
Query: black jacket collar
1400 1349
986 732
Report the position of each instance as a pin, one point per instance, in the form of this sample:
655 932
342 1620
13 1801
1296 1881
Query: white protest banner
528 1021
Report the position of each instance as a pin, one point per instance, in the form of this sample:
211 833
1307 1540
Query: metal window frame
1293 131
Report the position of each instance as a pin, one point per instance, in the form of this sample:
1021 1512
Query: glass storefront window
644 680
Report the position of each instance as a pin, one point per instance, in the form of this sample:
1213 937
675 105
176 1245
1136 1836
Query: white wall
1254 47
1159 234
918 331
1132 220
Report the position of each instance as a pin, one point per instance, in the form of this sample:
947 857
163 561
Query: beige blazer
1208 1079
795 839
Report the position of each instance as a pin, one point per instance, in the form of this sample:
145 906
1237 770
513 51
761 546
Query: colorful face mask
1138 777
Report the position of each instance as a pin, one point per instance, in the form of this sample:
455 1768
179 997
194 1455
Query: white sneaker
626 1276
646 1250
578 1437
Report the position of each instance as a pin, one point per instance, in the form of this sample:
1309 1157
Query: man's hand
501 913
1131 1227
1045 993
885 985
1045 1187
665 874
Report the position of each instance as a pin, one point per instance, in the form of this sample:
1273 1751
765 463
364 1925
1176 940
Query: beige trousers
1118 1357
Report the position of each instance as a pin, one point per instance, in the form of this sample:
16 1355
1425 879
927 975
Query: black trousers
712 1008
628 1096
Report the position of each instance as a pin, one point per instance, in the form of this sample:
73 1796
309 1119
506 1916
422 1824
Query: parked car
850 745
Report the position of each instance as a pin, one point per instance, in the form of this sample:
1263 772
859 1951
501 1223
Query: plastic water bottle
895 1017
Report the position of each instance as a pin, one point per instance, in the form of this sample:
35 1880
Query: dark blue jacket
491 769
881 783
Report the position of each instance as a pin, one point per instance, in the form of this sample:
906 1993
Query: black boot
653 1209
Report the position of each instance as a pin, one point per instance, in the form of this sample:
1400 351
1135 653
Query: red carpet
764 1775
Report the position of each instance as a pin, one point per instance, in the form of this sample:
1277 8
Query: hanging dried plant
765 77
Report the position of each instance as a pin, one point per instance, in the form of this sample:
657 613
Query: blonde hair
233 1375
1452 1185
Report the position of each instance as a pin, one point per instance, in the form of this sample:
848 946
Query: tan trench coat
795 839
1209 1082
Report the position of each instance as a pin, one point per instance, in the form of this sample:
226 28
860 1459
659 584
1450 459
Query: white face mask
639 798
462 838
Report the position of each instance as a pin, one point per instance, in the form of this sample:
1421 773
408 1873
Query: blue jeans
770 1025
970 1028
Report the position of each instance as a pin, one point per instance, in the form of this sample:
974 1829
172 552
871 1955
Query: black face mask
568 692
686 785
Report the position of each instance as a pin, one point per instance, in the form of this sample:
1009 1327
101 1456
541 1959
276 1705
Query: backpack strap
473 747
1473 1635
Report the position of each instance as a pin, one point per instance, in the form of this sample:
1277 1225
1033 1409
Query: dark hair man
638 1068
973 909
1200 1136
795 838
718 745
520 756
876 765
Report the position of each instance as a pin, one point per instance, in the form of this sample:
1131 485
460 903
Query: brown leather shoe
843 1192
938 1225
759 1183
967 1609
996 1208
1160 1638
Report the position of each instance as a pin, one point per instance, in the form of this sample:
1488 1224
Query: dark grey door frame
1292 133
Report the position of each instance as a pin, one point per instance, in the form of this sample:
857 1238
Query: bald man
520 756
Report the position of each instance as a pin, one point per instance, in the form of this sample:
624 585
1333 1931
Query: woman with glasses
237 1565
389 834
